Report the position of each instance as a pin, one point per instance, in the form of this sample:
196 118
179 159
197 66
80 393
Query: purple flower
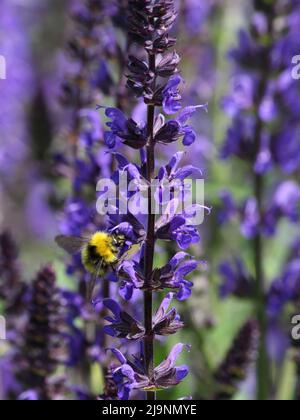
285 289
196 14
277 342
251 220
285 147
248 54
229 208
128 225
77 217
264 134
285 203
16 90
9 383
122 325
132 278
171 95
242 96
264 161
167 374
91 129
103 79
30 395
258 101
127 130
172 171
170 132
189 134
236 280
173 275
239 140
277 297
186 236
176 228
130 375
165 321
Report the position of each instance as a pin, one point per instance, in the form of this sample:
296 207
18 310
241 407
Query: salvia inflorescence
153 76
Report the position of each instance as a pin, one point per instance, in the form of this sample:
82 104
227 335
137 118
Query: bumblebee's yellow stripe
104 246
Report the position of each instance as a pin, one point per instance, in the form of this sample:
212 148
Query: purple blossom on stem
122 325
171 96
171 276
167 321
130 375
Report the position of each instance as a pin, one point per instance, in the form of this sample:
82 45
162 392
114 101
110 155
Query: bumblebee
99 253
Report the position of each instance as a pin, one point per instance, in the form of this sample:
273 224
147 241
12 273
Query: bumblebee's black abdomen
92 254
92 261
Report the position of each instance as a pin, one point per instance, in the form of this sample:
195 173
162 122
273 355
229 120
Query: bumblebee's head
119 240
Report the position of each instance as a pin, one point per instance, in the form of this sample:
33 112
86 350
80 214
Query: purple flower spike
154 78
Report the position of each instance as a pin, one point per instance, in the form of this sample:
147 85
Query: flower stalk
156 80
150 240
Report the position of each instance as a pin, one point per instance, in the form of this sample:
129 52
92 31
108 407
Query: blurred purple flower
250 225
285 203
277 342
16 89
196 13
229 208
236 280
285 289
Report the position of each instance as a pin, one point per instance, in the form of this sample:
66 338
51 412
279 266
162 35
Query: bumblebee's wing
71 244
128 255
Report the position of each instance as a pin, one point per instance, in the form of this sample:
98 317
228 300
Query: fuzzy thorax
103 243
